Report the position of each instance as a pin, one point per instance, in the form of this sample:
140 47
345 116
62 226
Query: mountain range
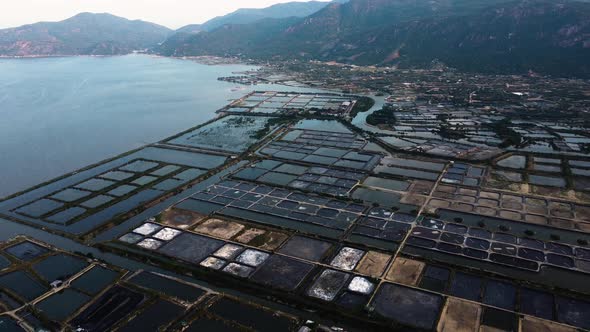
105 34
496 36
251 15
83 34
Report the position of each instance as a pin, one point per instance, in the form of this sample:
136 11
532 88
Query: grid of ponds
544 172
34 272
513 206
277 103
283 228
325 138
498 247
85 200
283 203
320 270
139 178
382 227
326 156
512 298
231 133
323 180
93 297
464 174
147 301
402 167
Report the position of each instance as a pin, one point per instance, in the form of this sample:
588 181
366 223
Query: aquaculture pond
232 133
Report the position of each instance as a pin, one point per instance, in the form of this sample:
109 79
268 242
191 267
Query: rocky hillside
504 36
251 15
86 33
254 15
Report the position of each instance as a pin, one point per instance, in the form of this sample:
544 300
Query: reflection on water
60 114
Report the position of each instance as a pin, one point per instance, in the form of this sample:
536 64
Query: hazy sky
171 13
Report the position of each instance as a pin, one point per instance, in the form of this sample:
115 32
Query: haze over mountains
251 15
105 34
83 34
504 36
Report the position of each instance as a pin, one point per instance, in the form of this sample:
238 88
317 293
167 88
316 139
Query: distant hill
191 28
245 16
85 33
232 39
250 15
504 36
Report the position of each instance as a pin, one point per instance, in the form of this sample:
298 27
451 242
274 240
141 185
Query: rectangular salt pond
109 308
547 168
95 280
255 318
59 267
144 180
165 170
322 125
60 306
22 284
386 183
252 257
191 247
97 201
139 166
410 173
580 171
306 248
189 174
425 165
283 273
347 258
167 286
192 159
117 175
579 163
66 216
26 251
70 195
547 181
168 185
95 184
154 317
107 214
385 199
39 208
328 285
232 133
547 160
122 190
515 162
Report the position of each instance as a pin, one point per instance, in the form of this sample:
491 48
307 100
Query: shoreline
221 60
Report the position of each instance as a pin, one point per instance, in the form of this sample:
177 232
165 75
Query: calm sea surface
60 114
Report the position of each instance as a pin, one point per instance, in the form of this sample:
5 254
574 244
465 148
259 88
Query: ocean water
60 114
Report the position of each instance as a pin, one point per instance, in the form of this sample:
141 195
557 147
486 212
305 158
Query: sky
171 13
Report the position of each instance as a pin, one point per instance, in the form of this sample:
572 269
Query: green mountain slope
251 15
86 33
235 39
489 36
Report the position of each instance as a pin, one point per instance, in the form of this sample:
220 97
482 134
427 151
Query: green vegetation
271 124
384 116
412 34
508 136
86 33
362 104
449 132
